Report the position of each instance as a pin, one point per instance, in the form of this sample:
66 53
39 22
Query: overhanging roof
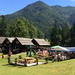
40 42
2 39
25 41
10 39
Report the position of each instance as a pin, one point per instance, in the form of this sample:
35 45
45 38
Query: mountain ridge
44 16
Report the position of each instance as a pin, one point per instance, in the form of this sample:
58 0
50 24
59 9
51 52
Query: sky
11 6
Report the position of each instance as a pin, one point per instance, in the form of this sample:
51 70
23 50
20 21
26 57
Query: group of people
9 54
60 56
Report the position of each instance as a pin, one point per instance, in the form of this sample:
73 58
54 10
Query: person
58 57
48 52
0 49
27 51
43 52
9 54
52 57
2 56
3 49
34 52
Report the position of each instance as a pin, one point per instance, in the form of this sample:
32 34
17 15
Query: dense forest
19 27
64 36
44 16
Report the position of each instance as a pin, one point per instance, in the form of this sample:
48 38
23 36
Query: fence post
9 60
15 61
36 61
25 63
46 60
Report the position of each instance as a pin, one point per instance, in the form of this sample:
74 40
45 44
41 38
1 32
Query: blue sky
11 6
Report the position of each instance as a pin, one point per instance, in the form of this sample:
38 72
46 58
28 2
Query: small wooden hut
21 44
40 43
1 41
7 44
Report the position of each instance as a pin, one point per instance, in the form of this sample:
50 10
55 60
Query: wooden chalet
21 44
7 44
40 43
1 40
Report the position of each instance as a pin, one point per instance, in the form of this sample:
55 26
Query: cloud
72 0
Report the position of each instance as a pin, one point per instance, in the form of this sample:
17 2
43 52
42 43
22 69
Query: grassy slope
57 68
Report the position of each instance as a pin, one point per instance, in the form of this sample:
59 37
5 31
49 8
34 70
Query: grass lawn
56 68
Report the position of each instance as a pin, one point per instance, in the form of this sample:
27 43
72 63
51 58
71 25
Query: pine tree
66 35
73 35
4 30
55 36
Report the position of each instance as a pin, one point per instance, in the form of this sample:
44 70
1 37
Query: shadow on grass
9 65
19 66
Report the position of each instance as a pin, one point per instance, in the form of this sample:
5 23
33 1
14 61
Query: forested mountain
18 28
44 16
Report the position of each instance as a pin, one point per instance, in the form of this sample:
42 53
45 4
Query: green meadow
57 68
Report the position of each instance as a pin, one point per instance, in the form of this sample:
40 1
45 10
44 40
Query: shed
22 43
7 44
25 41
8 40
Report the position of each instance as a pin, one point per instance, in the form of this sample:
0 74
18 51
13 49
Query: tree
32 31
23 28
73 35
66 35
4 26
40 34
18 28
54 34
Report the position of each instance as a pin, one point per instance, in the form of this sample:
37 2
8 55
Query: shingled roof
2 39
25 41
10 39
40 42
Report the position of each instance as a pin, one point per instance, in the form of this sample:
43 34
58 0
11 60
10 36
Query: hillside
44 16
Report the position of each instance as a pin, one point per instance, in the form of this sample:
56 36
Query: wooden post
9 60
36 61
46 60
20 57
25 63
15 61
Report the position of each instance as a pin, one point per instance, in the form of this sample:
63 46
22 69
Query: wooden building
21 44
1 41
40 43
7 44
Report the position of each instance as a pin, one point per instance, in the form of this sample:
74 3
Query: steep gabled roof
2 39
10 39
40 42
25 41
